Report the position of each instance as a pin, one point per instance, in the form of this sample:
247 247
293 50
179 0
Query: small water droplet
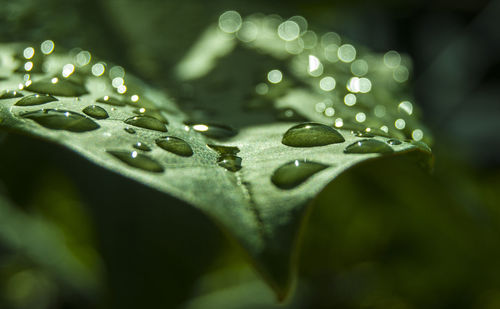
293 173
311 134
58 86
147 122
230 162
175 145
216 131
137 160
35 99
62 120
362 134
96 112
10 94
224 150
394 142
110 100
368 146
129 130
141 146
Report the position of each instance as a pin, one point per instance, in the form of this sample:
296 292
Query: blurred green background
73 235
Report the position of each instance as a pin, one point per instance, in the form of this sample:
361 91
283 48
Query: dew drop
129 130
362 134
311 134
175 145
62 120
110 100
224 150
293 173
151 113
216 131
147 122
96 112
368 146
58 86
35 99
394 142
230 162
141 146
137 160
10 94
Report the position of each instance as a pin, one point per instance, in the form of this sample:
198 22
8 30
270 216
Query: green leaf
224 152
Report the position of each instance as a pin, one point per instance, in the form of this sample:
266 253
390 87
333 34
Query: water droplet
394 142
10 94
151 113
292 174
96 112
129 130
62 120
224 150
311 134
58 86
110 100
175 145
368 146
35 99
141 146
137 160
230 162
147 122
217 131
362 134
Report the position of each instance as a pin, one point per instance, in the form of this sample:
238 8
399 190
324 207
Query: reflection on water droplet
310 135
217 131
35 99
175 145
394 142
137 160
224 150
110 100
274 76
10 94
141 146
362 134
57 86
62 120
129 130
292 174
368 146
96 112
230 162
147 122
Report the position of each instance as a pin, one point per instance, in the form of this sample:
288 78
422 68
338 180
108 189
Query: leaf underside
264 218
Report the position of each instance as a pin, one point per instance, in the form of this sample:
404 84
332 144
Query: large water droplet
151 113
310 135
137 160
62 120
96 112
394 142
216 131
58 86
141 146
230 162
368 146
294 173
147 123
224 150
110 100
175 145
10 94
35 99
